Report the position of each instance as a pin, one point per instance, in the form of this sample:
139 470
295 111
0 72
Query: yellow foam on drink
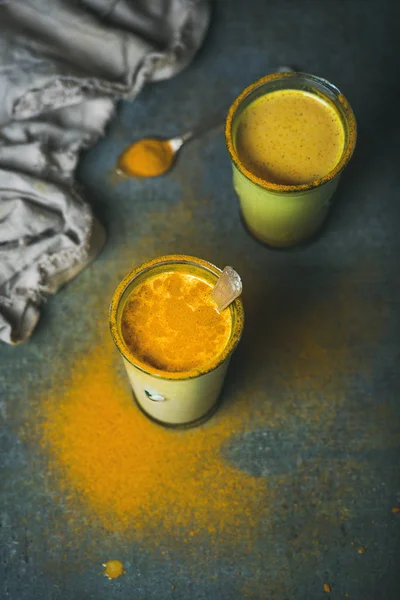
170 323
290 137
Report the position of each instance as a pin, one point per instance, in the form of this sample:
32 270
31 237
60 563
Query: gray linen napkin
63 64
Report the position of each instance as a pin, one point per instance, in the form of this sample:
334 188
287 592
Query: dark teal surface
321 346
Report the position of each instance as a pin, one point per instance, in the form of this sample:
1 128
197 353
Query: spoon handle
210 123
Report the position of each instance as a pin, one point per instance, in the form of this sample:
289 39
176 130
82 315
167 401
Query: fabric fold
63 66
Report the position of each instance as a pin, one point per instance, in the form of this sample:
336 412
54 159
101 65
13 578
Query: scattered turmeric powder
136 476
396 510
327 588
123 477
148 157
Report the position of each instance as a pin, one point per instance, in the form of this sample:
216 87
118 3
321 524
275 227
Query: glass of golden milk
174 343
289 135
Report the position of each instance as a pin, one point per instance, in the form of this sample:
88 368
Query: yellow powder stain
396 510
362 550
113 569
327 588
120 475
135 475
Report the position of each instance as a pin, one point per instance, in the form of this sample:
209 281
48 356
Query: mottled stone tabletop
315 380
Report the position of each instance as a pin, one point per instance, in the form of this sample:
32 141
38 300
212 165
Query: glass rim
302 187
115 318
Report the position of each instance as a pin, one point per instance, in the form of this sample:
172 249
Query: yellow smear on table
148 157
113 569
290 137
171 323
115 477
135 476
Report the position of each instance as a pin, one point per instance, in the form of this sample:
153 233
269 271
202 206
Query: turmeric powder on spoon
148 157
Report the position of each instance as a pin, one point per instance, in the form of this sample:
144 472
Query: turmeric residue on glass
134 475
148 157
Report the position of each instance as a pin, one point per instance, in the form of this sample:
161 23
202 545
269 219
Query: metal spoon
227 289
168 147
